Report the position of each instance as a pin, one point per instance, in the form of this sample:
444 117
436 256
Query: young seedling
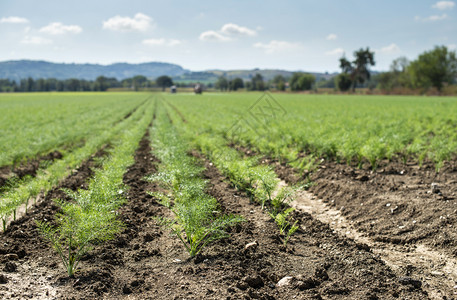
76 232
286 229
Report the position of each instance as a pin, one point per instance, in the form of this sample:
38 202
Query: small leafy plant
286 228
76 231
198 220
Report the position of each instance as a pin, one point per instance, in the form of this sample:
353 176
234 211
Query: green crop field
207 187
352 129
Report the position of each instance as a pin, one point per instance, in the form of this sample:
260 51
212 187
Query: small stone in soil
10 267
3 279
284 281
253 281
252 245
410 281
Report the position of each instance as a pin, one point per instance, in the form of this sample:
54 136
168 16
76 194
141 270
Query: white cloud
212 35
332 37
140 22
57 28
336 51
276 46
391 49
14 20
452 47
35 40
432 18
234 29
162 42
443 5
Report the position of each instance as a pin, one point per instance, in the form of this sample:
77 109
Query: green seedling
286 228
76 232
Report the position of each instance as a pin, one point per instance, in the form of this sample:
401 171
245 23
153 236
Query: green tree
164 82
343 82
236 83
257 83
434 68
140 81
222 83
280 82
301 81
397 76
359 68
101 83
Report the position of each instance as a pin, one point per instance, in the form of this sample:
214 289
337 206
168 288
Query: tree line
432 70
102 83
435 69
298 82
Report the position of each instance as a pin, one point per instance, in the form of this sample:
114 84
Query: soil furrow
399 204
28 168
321 263
435 269
30 266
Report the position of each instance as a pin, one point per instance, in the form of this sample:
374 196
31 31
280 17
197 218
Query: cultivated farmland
228 196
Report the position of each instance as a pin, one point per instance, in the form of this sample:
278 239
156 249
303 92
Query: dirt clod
10 267
3 279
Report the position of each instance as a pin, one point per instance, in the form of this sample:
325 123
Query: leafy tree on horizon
164 82
280 82
236 83
301 81
434 68
222 83
257 83
358 69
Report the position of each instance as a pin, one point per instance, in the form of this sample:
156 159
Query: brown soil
36 264
394 211
396 203
144 261
29 167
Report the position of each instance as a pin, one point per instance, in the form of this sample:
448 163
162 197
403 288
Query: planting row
33 124
258 181
91 215
49 177
354 129
198 220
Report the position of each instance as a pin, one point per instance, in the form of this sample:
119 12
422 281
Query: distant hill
267 74
20 69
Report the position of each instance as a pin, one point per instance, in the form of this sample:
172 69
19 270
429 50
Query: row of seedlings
50 177
258 181
56 125
197 220
91 216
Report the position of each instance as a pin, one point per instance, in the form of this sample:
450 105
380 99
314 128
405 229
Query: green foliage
330 127
257 83
236 83
343 82
198 220
287 227
221 83
164 82
77 230
59 169
358 69
434 68
301 81
91 216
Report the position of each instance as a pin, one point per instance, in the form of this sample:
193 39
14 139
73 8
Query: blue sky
304 35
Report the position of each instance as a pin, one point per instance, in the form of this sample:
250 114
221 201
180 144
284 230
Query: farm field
228 196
